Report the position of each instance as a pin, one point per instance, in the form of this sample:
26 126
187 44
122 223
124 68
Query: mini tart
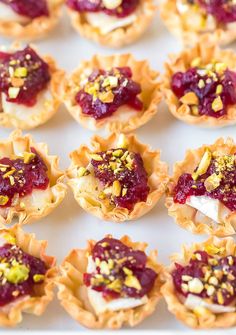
51 96
176 25
120 36
200 317
202 54
150 95
26 210
11 314
188 217
89 200
36 28
74 297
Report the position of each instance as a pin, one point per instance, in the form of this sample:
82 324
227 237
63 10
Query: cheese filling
100 305
22 112
193 302
7 14
212 208
107 23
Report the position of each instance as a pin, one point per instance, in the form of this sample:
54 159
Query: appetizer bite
27 19
202 192
116 92
29 88
113 23
119 179
109 284
192 20
200 86
27 276
200 287
30 182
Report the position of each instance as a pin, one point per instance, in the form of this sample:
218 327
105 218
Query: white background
69 226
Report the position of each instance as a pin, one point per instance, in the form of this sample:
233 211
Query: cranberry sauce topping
118 8
224 11
106 91
209 277
19 273
215 177
29 8
120 271
122 175
20 176
208 90
23 75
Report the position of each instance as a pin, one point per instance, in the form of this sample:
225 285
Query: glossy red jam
126 8
224 11
28 8
217 274
124 262
23 75
106 91
123 176
208 86
13 256
225 192
20 176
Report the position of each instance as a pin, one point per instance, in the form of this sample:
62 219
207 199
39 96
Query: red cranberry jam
123 176
28 8
121 271
208 90
106 91
215 177
121 9
23 75
19 273
224 11
20 176
209 277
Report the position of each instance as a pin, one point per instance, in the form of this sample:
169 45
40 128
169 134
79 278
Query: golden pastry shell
15 144
189 37
188 317
121 36
37 28
157 178
184 215
73 296
50 106
182 62
142 74
11 315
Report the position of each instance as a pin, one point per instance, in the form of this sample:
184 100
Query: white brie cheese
107 23
38 198
193 301
7 14
100 305
212 208
23 112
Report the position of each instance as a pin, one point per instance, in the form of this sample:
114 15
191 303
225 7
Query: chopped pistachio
96 157
190 98
117 153
28 157
82 171
116 285
220 67
195 110
3 200
116 188
212 182
195 286
204 163
132 281
106 97
20 72
17 273
217 104
201 83
9 238
38 277
111 4
219 89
